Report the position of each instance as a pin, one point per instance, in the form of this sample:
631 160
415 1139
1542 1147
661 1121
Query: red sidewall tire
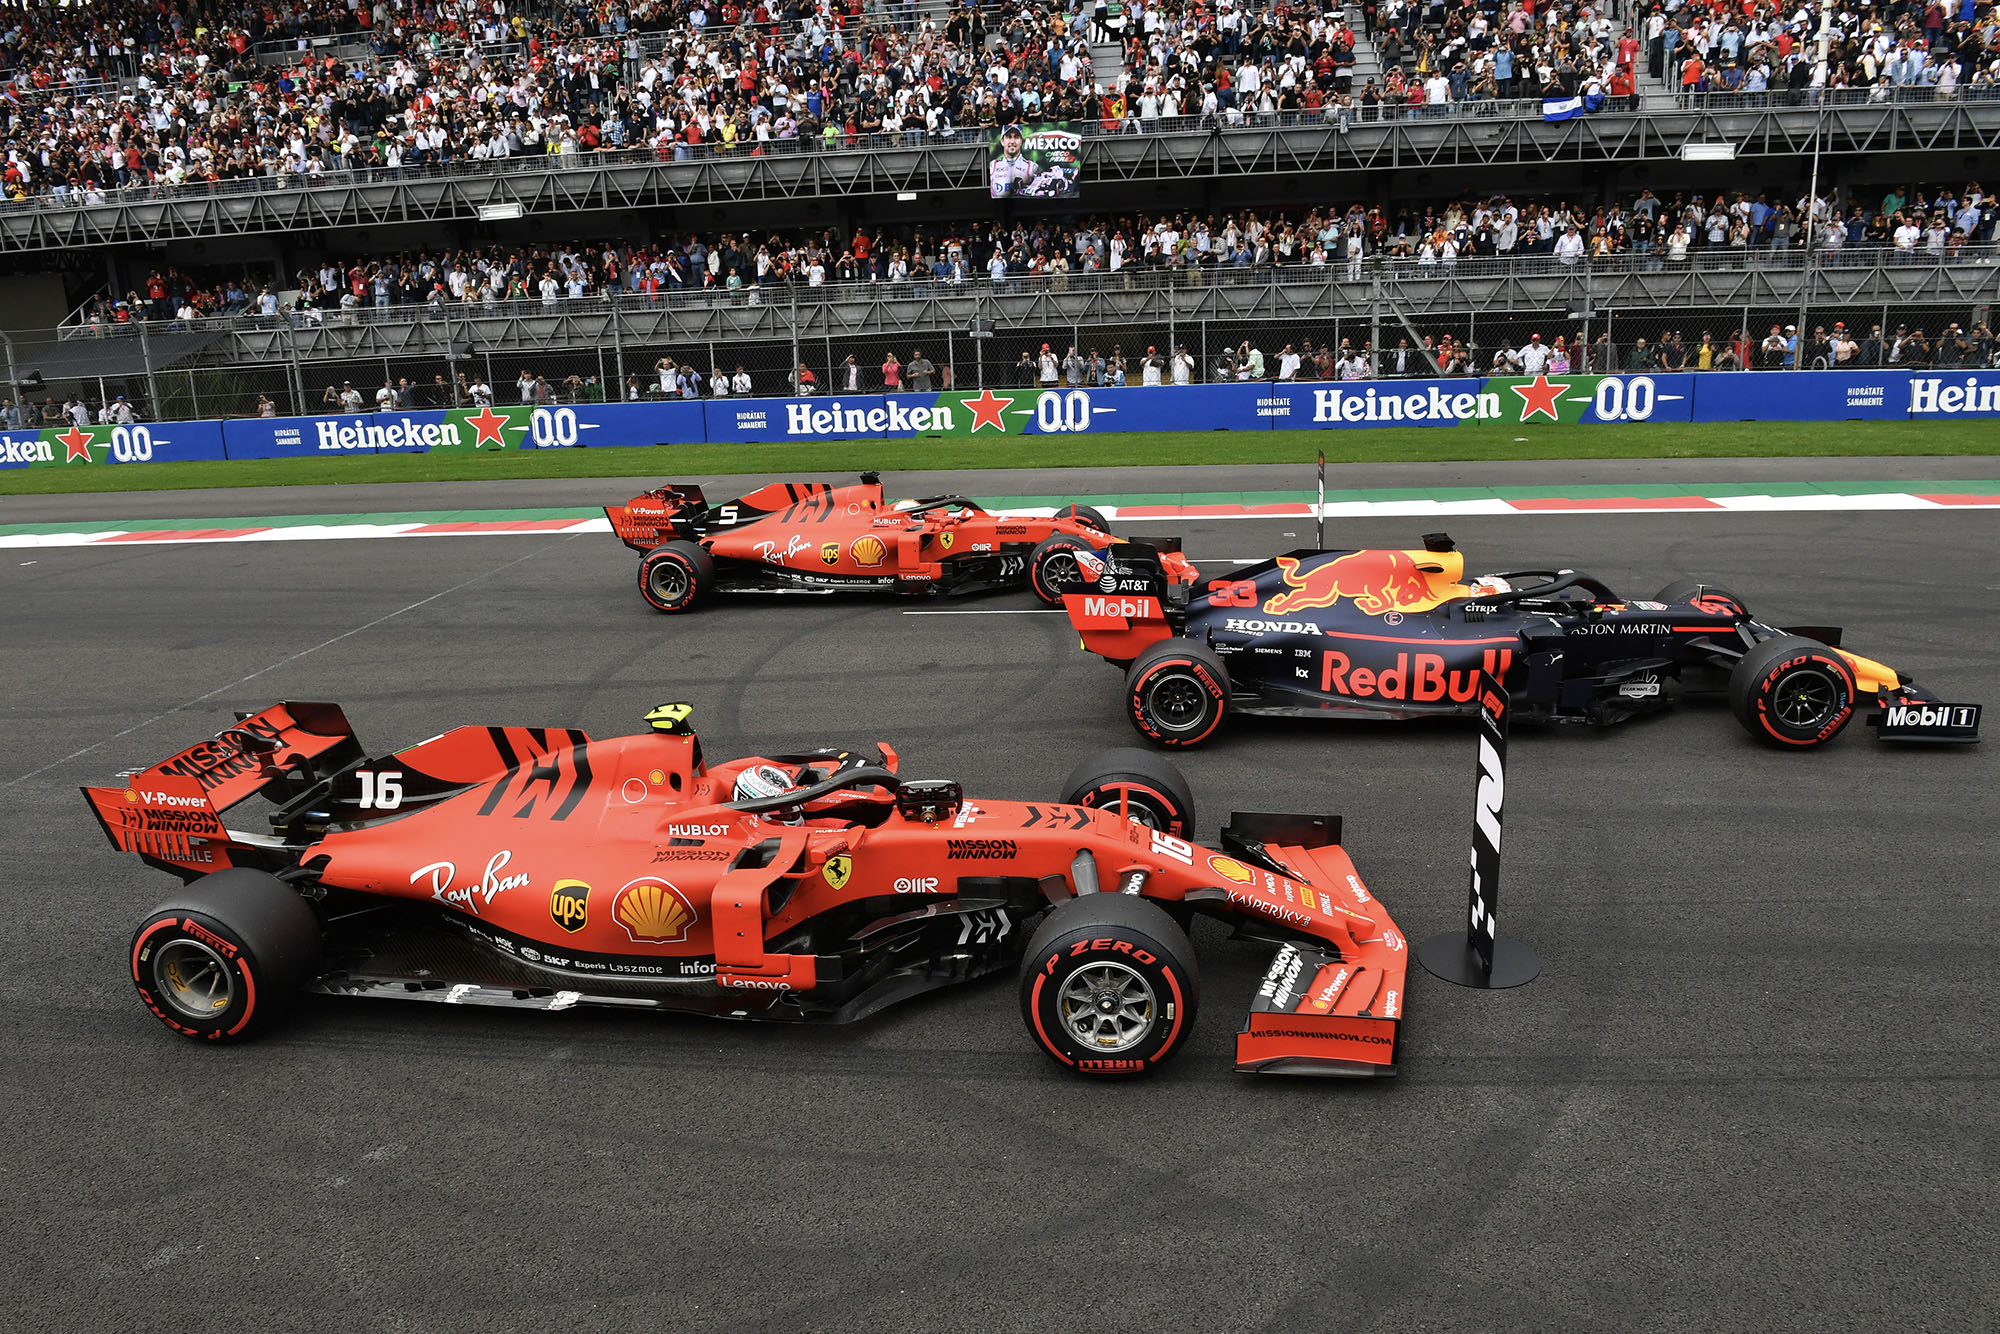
1766 695
1044 591
1154 673
672 579
254 938
1116 937
238 1017
1087 516
1125 776
1765 692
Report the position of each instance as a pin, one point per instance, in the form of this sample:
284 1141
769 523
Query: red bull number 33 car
808 537
541 869
1393 634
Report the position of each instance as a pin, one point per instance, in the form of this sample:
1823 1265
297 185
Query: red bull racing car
540 869
1398 634
808 537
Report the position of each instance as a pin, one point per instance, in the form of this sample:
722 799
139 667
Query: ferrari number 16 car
538 868
808 537
1393 634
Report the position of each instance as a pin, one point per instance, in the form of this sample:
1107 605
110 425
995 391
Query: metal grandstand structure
1474 135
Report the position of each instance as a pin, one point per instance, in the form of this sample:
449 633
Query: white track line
290 657
1034 611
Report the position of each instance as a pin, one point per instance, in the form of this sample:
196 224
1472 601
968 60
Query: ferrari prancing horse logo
944 540
837 869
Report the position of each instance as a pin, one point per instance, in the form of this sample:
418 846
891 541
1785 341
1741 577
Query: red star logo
489 424
1540 396
986 410
77 441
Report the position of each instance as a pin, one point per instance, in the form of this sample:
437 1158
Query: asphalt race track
1752 1089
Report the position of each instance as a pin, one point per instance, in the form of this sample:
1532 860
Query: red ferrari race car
541 869
808 537
1392 634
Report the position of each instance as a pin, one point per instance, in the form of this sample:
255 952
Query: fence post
152 381
617 343
793 369
950 357
194 399
450 362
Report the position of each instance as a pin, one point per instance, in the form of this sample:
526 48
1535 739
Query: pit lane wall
1878 394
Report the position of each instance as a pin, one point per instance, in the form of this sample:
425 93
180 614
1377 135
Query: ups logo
569 905
830 552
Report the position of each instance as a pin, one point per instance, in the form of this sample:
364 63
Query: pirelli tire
1708 597
1084 514
1791 691
1138 784
1053 569
676 577
1177 693
225 959
1109 987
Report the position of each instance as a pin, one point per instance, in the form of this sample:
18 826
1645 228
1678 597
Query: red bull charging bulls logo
1377 581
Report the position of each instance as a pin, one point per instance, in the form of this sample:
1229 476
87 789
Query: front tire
1084 514
675 577
1053 569
1711 598
1792 691
1177 693
1108 985
1143 787
224 960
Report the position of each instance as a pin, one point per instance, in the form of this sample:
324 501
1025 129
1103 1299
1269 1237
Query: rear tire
1792 691
1108 985
1138 784
1705 596
676 577
1084 514
1053 569
224 959
1177 693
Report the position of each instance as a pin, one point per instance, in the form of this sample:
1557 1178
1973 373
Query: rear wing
1130 600
654 517
171 813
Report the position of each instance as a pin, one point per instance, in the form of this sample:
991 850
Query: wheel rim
1177 702
1107 1007
193 979
668 581
1060 570
1806 699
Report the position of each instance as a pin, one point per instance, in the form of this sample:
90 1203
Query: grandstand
218 211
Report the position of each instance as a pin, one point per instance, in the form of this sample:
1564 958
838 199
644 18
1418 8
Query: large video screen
1035 162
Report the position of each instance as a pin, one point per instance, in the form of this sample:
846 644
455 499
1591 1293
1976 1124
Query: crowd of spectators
1946 47
1919 224
145 92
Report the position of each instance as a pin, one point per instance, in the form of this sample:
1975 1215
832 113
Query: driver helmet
1490 583
765 780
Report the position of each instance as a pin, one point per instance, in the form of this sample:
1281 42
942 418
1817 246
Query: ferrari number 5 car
1400 634
808 537
538 868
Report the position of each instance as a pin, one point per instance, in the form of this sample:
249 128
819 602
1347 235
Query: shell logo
868 549
132 795
1230 869
653 912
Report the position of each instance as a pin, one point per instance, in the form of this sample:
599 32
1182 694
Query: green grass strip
1467 442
